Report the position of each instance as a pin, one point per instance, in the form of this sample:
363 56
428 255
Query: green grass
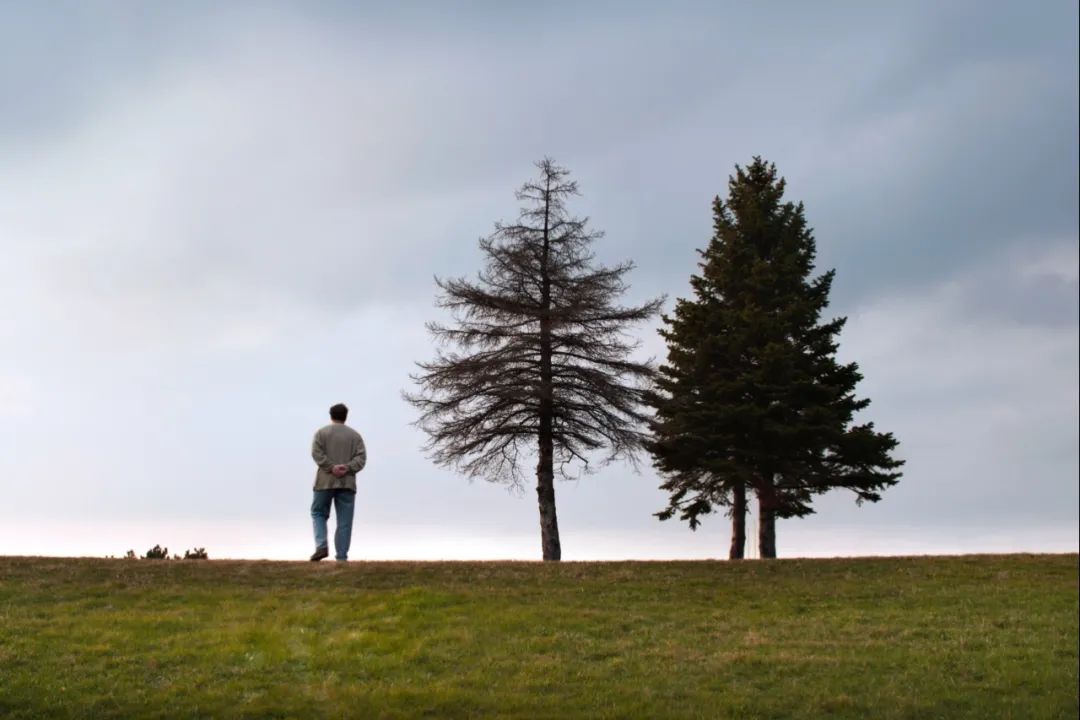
976 636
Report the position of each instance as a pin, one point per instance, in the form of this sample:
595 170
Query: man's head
339 412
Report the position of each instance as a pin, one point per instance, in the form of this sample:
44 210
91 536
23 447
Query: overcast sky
216 220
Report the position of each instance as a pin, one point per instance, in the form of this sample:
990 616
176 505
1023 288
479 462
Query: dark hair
339 412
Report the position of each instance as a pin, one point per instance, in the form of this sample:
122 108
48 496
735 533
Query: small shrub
162 553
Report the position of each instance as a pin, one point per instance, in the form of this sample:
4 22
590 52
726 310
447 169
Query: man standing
339 452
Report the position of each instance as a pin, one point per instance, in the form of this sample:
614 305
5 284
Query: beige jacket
337 444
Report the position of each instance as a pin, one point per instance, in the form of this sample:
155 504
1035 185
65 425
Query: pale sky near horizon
218 220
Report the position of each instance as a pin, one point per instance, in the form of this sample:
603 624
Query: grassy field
973 637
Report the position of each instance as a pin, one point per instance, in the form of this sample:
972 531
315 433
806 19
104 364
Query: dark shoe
320 553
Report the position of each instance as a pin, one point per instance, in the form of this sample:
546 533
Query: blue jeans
344 504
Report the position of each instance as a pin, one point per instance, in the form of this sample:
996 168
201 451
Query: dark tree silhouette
542 359
751 396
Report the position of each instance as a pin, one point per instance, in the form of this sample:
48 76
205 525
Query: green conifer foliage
752 398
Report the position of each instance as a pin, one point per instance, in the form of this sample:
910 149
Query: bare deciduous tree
540 356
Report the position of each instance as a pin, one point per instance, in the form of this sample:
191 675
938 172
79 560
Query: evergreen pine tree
752 398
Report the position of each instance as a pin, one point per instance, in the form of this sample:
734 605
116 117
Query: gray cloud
215 221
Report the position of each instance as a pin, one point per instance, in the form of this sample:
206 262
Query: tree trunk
545 468
767 534
545 495
738 524
767 520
